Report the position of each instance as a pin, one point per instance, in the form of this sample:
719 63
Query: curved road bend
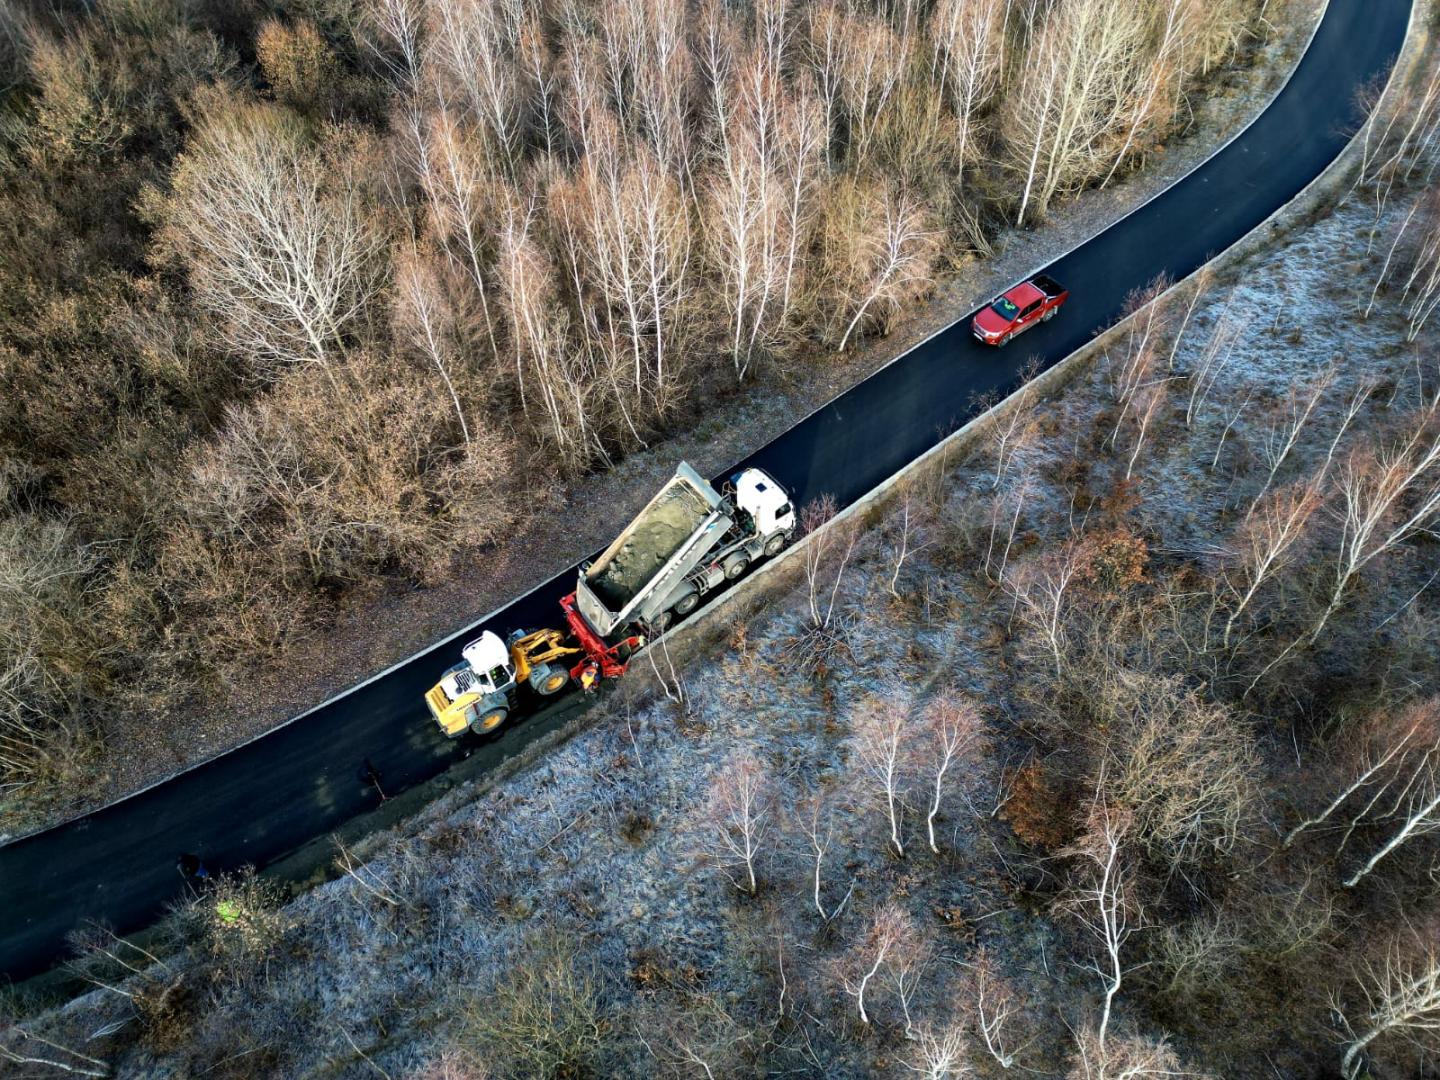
302 780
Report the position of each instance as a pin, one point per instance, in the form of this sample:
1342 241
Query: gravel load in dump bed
655 536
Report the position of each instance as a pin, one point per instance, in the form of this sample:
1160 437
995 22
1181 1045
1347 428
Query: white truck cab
765 501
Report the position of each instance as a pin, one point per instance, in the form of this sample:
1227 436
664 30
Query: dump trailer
689 539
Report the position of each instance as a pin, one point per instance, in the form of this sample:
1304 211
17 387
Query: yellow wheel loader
479 693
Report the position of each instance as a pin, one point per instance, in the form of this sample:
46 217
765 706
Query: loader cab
489 660
767 503
483 672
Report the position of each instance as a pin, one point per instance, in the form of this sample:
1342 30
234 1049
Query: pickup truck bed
1048 285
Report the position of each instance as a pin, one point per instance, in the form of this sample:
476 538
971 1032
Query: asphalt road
300 781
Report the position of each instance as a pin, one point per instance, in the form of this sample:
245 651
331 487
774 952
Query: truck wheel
547 679
489 719
1006 338
736 566
1049 314
776 544
660 623
687 603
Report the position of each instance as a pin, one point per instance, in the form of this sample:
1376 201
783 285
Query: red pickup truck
1019 309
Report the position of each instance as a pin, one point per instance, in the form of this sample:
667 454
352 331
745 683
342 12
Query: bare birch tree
884 747
995 1007
401 25
954 725
419 310
826 558
1131 1057
1016 429
279 250
1410 789
1083 67
940 1054
871 63
1149 400
1386 496
472 58
1041 590
1288 425
543 360
745 214
1388 747
1264 545
1402 999
890 933
27 1048
900 250
1152 108
908 538
632 227
461 193
969 38
1104 903
738 815
818 828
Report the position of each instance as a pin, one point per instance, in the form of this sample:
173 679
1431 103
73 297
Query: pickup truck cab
1018 309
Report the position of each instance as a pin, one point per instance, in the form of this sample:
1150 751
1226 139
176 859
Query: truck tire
686 604
489 715
547 679
1006 338
735 566
1049 314
776 544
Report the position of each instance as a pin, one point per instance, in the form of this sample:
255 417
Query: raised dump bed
686 508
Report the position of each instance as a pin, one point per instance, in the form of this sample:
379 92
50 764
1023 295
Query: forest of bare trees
298 300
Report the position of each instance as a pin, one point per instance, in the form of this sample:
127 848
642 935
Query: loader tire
736 566
490 716
547 679
776 544
687 603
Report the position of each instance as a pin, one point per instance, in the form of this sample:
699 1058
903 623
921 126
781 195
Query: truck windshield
1006 309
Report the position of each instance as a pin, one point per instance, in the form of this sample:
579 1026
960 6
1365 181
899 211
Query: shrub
240 922
1185 767
1037 810
544 1018
298 64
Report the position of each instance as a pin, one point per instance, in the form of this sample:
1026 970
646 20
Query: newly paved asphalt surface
266 798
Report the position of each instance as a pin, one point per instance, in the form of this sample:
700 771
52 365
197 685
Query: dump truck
688 540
